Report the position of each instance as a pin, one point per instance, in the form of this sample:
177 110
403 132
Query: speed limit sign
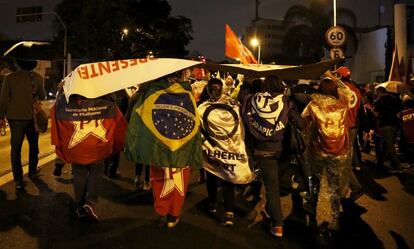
336 53
335 36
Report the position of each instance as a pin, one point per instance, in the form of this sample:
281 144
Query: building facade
30 27
269 33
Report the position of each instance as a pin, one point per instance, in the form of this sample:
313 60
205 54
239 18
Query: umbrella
310 71
395 86
30 50
93 80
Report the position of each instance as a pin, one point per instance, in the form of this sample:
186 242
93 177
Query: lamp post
256 43
65 34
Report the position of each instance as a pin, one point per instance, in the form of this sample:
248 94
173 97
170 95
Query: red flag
409 69
395 73
236 50
169 188
86 131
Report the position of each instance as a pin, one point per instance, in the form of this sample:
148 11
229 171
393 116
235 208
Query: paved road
42 218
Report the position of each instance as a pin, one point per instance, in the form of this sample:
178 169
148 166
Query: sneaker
211 207
356 194
80 212
395 170
20 184
138 183
146 186
34 173
228 219
201 179
294 184
276 231
58 170
90 212
172 221
113 175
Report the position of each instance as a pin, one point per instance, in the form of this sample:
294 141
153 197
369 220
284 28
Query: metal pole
65 33
334 11
334 20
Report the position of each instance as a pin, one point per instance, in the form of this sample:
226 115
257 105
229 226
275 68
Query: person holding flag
85 132
164 132
224 151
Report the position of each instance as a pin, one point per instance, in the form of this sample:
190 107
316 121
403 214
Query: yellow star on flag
85 128
173 179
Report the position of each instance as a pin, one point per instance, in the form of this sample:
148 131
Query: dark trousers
352 160
228 191
85 182
19 129
138 171
112 164
388 133
269 171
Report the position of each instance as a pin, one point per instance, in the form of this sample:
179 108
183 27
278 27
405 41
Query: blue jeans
20 129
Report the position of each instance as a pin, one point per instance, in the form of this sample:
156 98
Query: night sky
209 17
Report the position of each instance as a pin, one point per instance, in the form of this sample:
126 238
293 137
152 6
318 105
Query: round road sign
336 53
335 36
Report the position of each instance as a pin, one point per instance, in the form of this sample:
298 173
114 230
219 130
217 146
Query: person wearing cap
353 118
18 92
329 138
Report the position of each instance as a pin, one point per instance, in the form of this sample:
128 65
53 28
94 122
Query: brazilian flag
164 127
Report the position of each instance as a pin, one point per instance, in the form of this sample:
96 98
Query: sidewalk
43 218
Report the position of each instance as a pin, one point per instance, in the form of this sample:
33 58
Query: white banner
97 79
224 149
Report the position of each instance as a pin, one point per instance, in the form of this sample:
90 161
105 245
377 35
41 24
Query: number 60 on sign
335 36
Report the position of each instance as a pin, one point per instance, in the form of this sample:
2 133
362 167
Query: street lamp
64 28
256 43
125 32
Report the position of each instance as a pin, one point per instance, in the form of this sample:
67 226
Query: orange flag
236 50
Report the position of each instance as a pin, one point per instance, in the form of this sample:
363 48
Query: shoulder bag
39 115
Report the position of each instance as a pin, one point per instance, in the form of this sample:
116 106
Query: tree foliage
96 29
304 42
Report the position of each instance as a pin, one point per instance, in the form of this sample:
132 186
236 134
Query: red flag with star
169 188
85 131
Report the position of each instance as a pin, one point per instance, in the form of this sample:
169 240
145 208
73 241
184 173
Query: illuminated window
29 14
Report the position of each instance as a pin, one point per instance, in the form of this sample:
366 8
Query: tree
102 30
304 42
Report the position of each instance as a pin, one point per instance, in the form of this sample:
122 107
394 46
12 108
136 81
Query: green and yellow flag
164 127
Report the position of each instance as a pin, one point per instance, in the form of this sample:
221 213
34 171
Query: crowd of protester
333 119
